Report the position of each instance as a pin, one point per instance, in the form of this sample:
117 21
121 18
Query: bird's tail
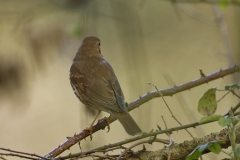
128 123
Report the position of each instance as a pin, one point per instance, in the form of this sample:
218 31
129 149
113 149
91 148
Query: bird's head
90 47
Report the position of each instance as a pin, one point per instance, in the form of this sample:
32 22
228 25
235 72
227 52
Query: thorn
221 69
201 73
159 128
140 97
60 148
137 105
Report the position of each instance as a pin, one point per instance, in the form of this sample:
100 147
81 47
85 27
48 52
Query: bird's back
97 83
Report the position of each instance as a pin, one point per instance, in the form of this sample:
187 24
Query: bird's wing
102 91
113 82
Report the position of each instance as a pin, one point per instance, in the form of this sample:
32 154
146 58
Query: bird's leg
107 119
90 128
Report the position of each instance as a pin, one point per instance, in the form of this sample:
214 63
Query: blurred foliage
223 4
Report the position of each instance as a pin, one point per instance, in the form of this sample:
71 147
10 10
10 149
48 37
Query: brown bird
96 85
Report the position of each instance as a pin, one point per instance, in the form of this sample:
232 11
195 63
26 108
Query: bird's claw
107 119
89 129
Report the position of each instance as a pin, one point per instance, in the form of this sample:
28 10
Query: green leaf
213 146
234 120
207 104
232 86
195 154
224 121
210 119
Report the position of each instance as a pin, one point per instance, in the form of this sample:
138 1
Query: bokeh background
145 41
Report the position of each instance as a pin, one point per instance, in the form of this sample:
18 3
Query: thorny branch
151 134
168 149
181 150
142 142
141 100
184 148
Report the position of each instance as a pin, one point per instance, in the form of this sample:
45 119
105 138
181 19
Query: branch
104 148
141 100
180 151
20 154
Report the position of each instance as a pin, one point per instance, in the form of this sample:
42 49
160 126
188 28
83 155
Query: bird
95 84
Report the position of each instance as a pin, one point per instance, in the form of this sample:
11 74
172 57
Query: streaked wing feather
98 90
118 94
116 88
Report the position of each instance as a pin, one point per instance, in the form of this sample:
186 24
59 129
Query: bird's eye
98 43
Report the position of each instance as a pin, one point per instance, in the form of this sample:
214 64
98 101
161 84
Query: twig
235 94
170 109
18 155
106 148
233 109
171 141
164 122
101 157
136 144
184 104
114 148
226 153
195 14
236 107
223 95
22 153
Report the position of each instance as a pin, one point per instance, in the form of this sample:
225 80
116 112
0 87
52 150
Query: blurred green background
145 41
